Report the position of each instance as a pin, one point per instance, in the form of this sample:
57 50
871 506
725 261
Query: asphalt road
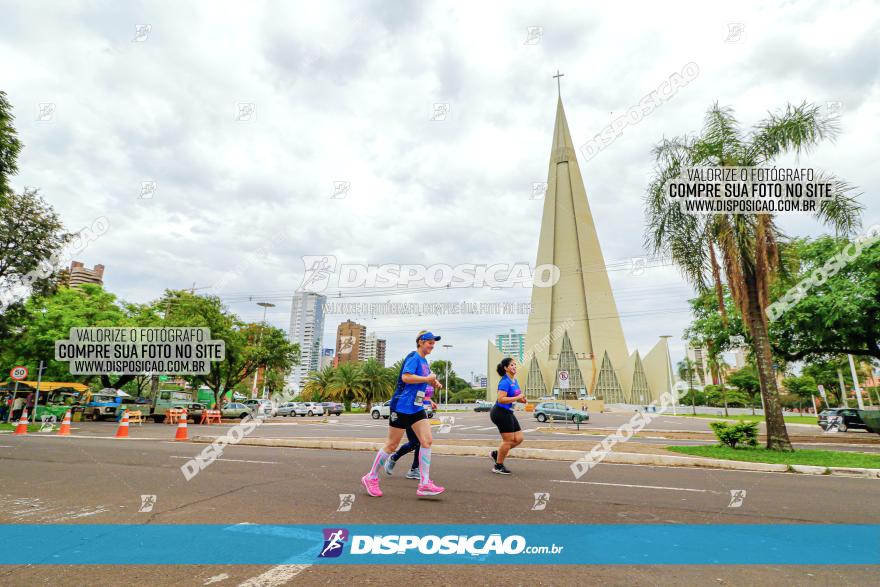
100 480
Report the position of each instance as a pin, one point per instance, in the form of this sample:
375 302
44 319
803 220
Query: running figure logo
147 503
48 422
737 496
334 541
541 500
446 423
346 500
318 269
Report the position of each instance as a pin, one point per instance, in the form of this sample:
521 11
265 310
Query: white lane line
489 428
216 579
469 427
636 486
529 430
233 460
275 576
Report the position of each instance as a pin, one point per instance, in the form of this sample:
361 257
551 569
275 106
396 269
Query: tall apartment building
326 358
80 274
700 357
374 348
306 329
512 344
350 341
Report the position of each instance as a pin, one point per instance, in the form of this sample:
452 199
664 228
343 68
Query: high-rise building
306 329
700 358
512 344
575 346
80 274
373 348
350 342
326 358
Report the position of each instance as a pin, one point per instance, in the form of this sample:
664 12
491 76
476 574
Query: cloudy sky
245 116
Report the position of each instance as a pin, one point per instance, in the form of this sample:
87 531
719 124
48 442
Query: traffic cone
122 431
22 424
65 425
181 428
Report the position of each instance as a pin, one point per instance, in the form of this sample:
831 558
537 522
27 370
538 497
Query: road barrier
65 425
122 431
211 416
21 428
180 435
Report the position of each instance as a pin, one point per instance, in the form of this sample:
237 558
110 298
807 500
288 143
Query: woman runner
408 410
412 444
502 414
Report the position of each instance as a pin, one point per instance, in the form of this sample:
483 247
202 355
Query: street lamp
674 397
265 306
446 378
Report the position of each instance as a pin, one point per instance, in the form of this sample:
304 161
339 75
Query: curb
623 458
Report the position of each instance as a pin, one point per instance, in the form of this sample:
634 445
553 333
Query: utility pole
37 392
265 306
852 369
446 380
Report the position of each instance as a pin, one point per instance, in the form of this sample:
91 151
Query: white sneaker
413 474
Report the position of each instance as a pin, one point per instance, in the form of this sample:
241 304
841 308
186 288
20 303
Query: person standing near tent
408 410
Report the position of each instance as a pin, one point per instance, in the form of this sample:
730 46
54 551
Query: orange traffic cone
65 425
22 424
181 428
122 431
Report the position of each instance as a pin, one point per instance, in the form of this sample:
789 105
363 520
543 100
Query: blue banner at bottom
576 544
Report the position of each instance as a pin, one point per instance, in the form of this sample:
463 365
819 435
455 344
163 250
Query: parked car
850 418
556 411
332 408
482 406
195 412
269 408
286 409
235 410
381 410
309 409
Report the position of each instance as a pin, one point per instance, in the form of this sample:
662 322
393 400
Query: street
91 478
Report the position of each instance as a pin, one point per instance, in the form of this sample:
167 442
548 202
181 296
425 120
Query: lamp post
666 338
446 378
265 306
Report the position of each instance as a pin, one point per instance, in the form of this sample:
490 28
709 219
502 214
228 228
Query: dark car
332 408
482 406
849 418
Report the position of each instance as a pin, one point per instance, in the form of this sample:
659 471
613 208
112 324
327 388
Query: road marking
233 460
469 428
489 428
275 576
216 579
636 486
529 430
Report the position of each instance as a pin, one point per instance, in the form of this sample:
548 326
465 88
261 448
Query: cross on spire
558 84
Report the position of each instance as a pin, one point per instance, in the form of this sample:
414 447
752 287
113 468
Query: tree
248 346
10 147
378 382
746 381
50 318
748 243
347 384
687 372
317 383
840 316
717 365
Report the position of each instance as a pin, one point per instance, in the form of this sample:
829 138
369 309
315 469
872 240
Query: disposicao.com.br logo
454 544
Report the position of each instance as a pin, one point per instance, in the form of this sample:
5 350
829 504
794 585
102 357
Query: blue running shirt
405 398
510 388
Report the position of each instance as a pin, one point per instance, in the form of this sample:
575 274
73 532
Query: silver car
235 410
309 409
287 409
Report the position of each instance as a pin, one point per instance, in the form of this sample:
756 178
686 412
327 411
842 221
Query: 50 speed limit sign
18 373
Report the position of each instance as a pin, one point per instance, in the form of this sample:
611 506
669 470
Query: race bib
420 399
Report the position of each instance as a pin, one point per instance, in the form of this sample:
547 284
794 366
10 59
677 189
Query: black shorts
404 421
504 419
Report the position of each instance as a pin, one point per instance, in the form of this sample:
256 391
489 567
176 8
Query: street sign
563 379
163 378
18 373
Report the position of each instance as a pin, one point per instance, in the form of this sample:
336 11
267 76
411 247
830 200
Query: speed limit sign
18 373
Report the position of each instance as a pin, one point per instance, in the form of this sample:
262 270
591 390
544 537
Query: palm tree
317 384
748 243
717 365
347 384
686 369
378 382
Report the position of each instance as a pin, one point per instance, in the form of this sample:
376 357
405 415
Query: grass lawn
751 418
822 458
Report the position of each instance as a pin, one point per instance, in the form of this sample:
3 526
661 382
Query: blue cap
429 336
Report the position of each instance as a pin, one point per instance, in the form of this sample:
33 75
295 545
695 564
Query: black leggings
411 445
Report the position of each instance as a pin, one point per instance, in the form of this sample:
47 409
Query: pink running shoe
429 488
372 486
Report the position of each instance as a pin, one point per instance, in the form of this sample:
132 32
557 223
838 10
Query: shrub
740 433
